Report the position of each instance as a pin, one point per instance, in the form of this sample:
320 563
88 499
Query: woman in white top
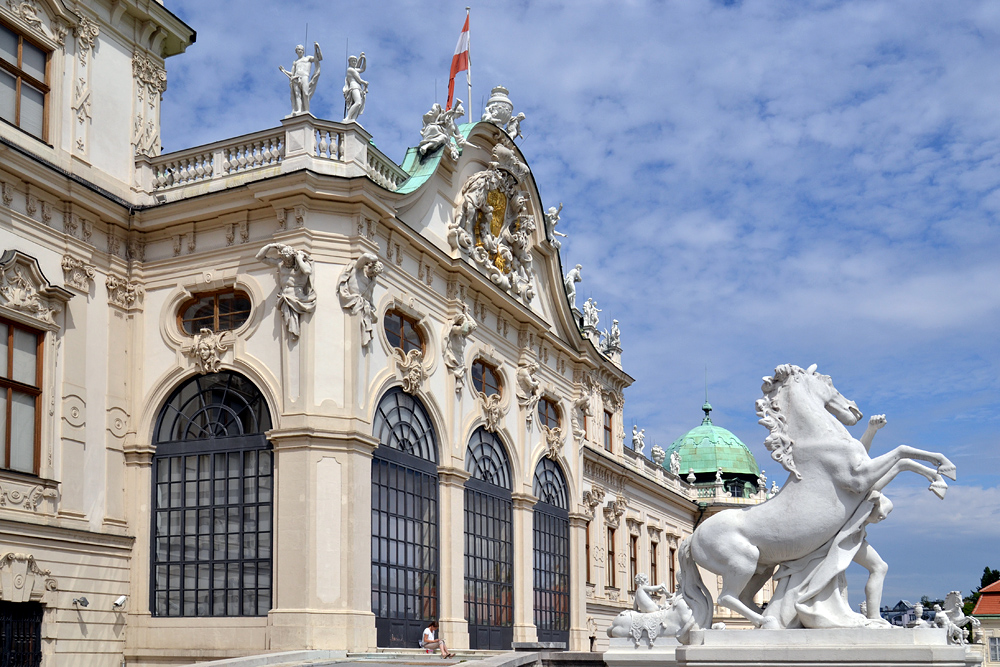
431 642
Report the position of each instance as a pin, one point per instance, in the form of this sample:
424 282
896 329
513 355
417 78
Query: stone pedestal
622 652
827 648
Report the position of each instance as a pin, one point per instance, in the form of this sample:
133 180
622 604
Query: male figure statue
295 282
300 82
571 279
355 88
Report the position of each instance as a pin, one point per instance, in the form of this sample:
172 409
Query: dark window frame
590 578
479 374
402 341
16 70
633 560
8 386
673 569
654 548
608 430
548 413
214 295
611 558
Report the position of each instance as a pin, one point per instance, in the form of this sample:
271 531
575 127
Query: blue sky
745 185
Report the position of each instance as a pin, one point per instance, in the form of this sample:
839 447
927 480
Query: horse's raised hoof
939 487
948 470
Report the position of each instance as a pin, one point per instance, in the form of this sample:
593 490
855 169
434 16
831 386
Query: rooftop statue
295 282
807 535
638 439
613 338
675 464
571 279
301 83
500 112
440 128
590 314
355 88
551 220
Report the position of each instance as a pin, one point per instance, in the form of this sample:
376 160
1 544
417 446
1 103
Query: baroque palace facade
279 392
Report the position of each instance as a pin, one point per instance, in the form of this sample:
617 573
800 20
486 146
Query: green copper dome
708 448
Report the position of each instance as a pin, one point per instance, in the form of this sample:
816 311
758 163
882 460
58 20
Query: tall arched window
404 520
212 497
489 548
550 534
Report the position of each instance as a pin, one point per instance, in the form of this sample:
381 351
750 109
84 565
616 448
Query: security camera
120 602
81 601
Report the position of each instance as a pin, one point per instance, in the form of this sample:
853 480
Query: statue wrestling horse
815 526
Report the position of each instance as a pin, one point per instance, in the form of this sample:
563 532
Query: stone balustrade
303 142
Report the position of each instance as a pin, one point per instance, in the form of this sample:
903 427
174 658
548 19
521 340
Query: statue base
841 647
622 652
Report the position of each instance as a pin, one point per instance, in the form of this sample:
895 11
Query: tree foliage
990 576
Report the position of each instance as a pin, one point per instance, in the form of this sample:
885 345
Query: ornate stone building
279 392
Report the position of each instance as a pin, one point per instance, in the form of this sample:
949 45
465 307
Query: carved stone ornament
658 454
492 413
614 511
634 526
493 224
27 11
553 441
296 289
500 112
148 74
355 289
28 499
456 335
593 498
86 36
22 580
411 365
578 415
440 130
122 292
528 389
23 288
207 350
77 273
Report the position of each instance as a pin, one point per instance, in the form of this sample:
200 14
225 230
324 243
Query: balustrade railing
385 173
253 154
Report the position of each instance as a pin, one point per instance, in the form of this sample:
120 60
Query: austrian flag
460 61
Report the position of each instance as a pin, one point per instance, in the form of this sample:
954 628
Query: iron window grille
20 634
550 532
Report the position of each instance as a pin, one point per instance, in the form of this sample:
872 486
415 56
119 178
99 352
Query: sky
746 184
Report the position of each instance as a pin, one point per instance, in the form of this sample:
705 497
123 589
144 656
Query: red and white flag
460 61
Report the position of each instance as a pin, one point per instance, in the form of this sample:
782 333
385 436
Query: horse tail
692 588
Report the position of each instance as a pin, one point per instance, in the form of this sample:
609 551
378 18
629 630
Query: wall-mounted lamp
81 601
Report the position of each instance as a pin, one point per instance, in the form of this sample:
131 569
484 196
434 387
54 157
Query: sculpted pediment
26 293
48 20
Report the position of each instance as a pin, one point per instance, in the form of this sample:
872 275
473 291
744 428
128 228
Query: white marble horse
952 618
815 526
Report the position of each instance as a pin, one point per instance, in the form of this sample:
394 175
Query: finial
707 408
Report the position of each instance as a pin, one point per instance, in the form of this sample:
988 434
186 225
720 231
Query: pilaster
451 510
524 611
578 636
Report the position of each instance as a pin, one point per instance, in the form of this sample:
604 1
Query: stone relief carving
440 130
207 350
411 365
578 416
638 439
355 88
492 412
528 389
355 289
297 293
494 226
7 193
593 498
570 281
150 83
77 273
30 205
614 511
302 83
456 335
122 292
28 499
86 37
27 11
500 112
22 580
24 288
553 441
613 594
604 475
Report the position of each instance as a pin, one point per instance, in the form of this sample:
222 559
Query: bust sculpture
295 283
300 81
355 88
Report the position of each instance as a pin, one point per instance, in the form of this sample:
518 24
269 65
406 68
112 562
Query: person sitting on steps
431 642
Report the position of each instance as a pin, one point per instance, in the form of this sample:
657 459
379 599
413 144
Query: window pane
8 46
3 426
22 432
25 349
4 331
32 109
33 60
8 97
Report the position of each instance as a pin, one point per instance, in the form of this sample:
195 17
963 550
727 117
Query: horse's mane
769 411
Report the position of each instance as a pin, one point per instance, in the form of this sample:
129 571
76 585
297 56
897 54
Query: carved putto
297 293
456 335
355 88
494 225
440 130
302 83
492 411
355 289
553 441
207 350
500 112
528 389
411 365
25 289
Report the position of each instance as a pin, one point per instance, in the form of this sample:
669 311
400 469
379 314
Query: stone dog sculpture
672 618
812 529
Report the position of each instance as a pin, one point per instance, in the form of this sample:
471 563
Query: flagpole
468 72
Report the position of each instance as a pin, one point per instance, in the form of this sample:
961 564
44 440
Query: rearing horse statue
815 526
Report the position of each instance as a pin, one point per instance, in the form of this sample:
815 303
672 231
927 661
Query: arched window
548 413
223 310
550 532
212 498
486 378
489 548
401 331
405 557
